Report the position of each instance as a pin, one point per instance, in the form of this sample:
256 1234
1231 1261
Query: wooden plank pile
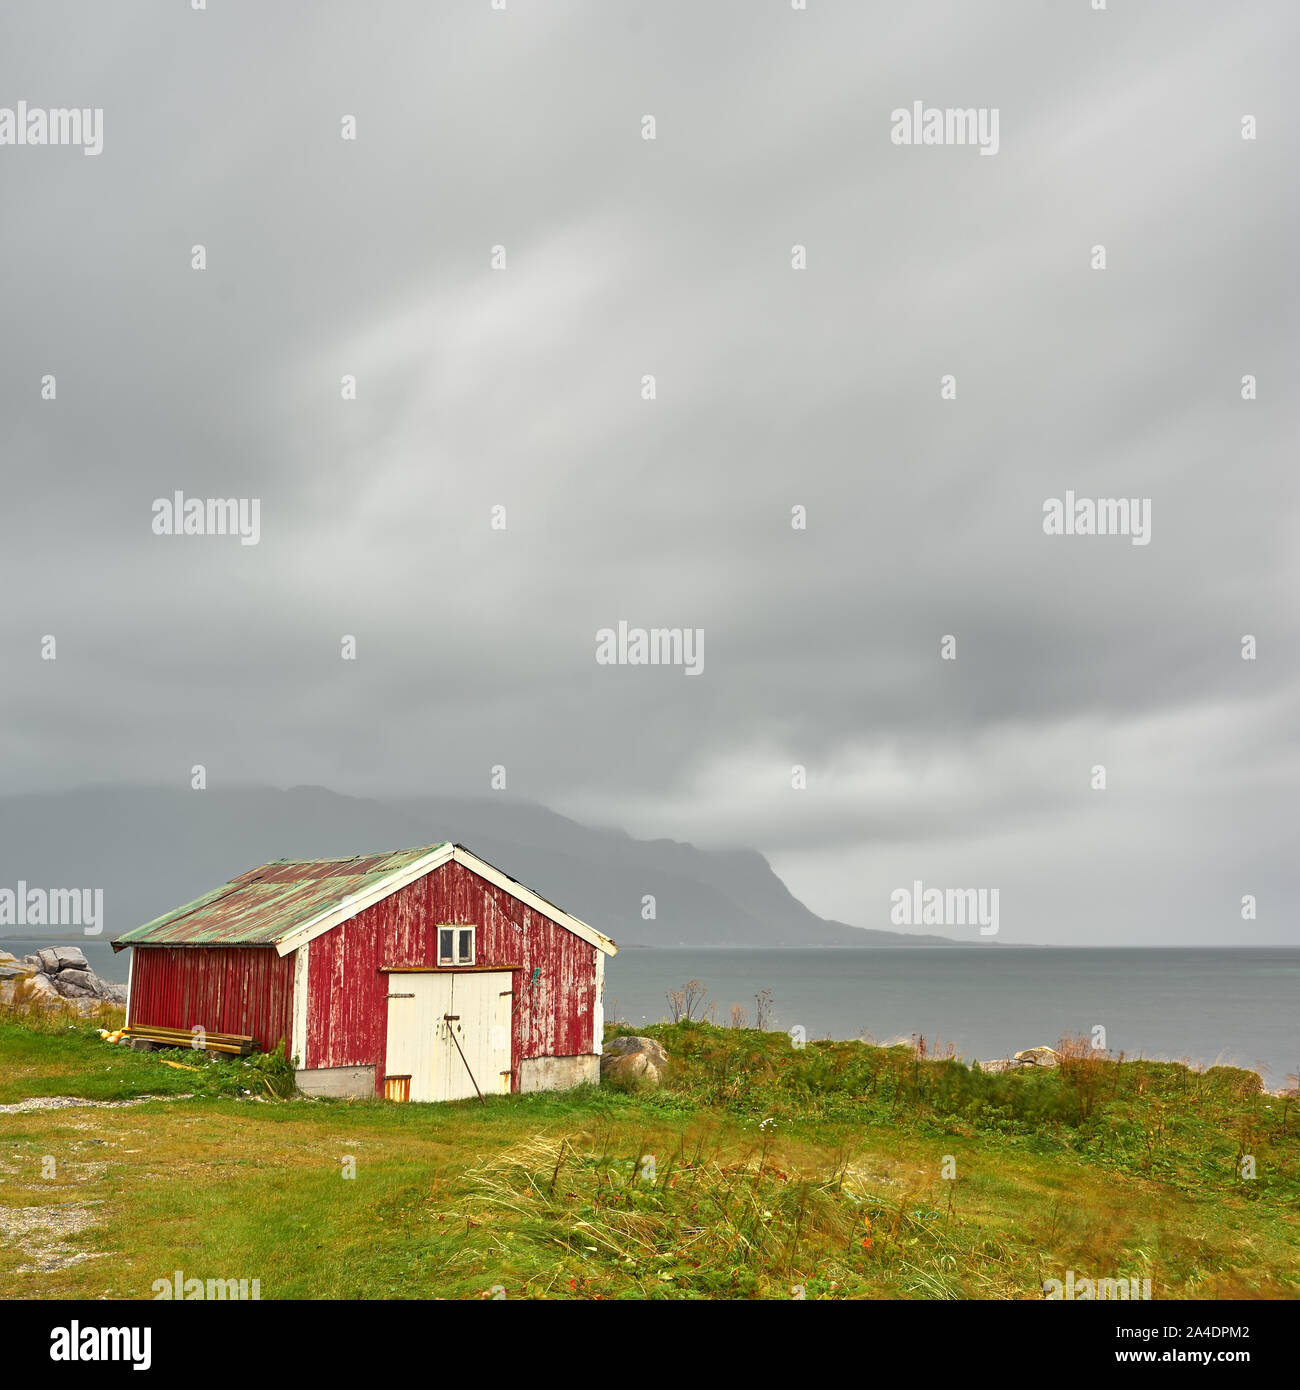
235 1044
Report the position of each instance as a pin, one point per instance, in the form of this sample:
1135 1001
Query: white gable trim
130 980
598 1014
298 1052
351 907
531 899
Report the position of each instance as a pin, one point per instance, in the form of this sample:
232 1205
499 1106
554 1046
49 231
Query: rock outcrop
633 1060
1038 1057
1029 1058
57 974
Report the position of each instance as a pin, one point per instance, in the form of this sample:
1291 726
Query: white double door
444 1028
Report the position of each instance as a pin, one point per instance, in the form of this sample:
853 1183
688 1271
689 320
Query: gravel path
66 1102
45 1234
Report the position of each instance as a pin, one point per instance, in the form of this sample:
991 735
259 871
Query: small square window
455 945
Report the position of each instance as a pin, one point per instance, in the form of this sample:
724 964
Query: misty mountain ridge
152 849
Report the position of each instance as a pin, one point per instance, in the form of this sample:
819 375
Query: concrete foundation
559 1073
354 1083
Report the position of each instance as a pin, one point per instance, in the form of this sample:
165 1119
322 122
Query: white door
448 1031
481 1004
416 1004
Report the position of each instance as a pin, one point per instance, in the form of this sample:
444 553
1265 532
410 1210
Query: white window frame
456 928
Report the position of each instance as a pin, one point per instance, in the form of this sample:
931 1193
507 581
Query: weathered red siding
223 989
347 1000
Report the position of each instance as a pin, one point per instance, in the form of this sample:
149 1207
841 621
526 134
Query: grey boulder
75 984
1041 1056
41 989
633 1059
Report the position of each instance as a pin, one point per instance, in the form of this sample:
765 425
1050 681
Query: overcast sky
775 388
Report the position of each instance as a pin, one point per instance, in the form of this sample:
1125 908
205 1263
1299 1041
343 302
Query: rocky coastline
57 975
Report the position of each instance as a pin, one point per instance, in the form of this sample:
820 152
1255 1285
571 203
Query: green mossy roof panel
267 904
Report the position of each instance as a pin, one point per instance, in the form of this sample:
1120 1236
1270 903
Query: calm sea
1223 1005
1234 1006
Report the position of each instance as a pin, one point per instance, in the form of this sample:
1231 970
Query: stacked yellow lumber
234 1043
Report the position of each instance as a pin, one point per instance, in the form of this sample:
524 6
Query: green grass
775 1171
56 1053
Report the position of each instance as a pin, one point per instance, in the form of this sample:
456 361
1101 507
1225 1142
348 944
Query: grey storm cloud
776 388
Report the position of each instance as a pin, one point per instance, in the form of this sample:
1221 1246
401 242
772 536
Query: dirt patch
43 1234
22 1107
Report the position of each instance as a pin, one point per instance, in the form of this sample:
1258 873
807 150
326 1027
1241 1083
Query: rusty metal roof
267 904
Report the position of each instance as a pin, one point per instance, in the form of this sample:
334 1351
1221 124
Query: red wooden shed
422 974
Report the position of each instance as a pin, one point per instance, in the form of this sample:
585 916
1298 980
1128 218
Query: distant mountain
153 848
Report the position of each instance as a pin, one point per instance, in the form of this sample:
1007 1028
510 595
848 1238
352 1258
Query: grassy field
758 1171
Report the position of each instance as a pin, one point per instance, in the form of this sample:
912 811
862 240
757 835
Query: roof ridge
352 858
271 907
